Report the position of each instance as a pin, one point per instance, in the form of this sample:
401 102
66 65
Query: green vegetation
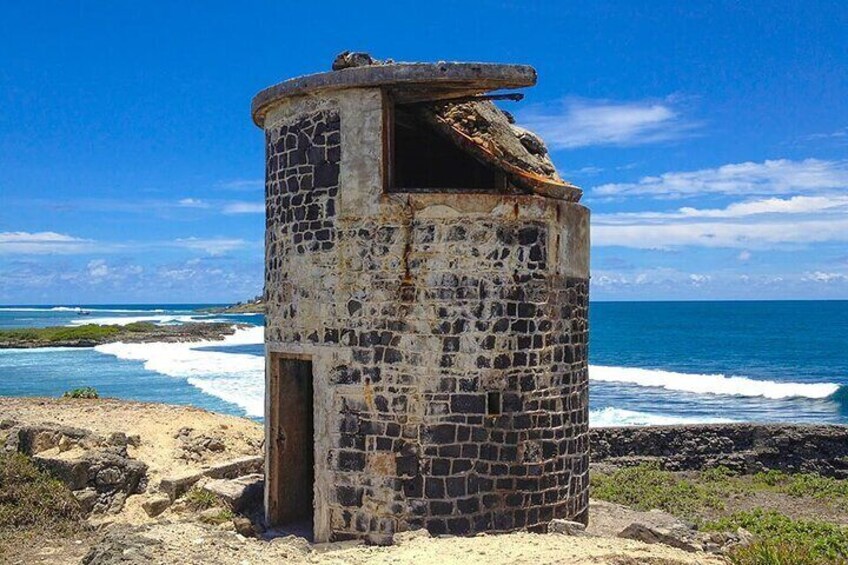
783 540
804 484
689 496
647 487
225 515
32 502
82 392
200 499
139 327
60 333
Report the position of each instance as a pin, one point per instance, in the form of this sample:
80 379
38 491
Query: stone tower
427 289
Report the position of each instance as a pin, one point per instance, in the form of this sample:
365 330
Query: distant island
254 306
89 335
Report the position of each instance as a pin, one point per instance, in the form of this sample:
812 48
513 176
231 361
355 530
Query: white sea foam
620 417
710 384
235 377
75 309
11 350
162 319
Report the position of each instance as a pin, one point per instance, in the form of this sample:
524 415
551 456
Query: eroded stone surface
447 335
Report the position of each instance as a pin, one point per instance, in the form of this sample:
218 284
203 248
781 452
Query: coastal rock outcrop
98 470
743 448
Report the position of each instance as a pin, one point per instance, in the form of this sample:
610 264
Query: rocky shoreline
742 448
147 477
91 335
255 306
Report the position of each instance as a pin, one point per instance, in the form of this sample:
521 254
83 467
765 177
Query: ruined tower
427 289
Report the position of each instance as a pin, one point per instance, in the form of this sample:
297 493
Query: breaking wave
237 378
162 319
713 383
620 417
74 309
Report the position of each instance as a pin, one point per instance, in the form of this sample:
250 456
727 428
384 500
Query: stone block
156 504
566 527
240 495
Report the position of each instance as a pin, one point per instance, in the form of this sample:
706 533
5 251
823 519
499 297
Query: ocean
650 362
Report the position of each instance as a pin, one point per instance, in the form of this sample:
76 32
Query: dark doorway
291 462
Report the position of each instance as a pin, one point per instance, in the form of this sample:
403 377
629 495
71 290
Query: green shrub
816 486
225 515
784 540
646 487
60 333
776 553
140 327
770 478
82 392
200 499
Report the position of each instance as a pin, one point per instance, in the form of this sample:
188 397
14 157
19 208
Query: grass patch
87 332
646 487
33 503
783 540
82 392
60 333
140 327
200 499
225 515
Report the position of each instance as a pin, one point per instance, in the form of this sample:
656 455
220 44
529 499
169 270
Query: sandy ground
156 424
192 543
178 538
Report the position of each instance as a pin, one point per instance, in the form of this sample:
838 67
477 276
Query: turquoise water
661 362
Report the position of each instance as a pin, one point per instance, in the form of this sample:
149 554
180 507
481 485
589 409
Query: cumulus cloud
721 234
192 203
583 123
242 184
244 208
43 243
211 246
793 205
780 176
823 277
97 268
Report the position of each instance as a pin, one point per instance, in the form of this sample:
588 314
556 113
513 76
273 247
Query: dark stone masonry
442 335
744 448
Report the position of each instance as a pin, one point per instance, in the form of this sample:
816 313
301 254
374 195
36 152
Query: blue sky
711 140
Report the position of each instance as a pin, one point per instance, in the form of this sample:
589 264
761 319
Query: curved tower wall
447 335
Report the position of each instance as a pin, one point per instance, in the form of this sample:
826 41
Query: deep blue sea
650 362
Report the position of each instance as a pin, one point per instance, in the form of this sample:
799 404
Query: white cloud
41 243
97 268
698 279
822 277
721 234
832 135
583 123
212 246
744 255
793 205
243 184
244 208
192 203
780 176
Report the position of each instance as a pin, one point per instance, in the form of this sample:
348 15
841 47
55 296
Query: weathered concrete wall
746 448
448 334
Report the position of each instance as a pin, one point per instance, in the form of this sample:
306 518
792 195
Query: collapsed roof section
450 97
